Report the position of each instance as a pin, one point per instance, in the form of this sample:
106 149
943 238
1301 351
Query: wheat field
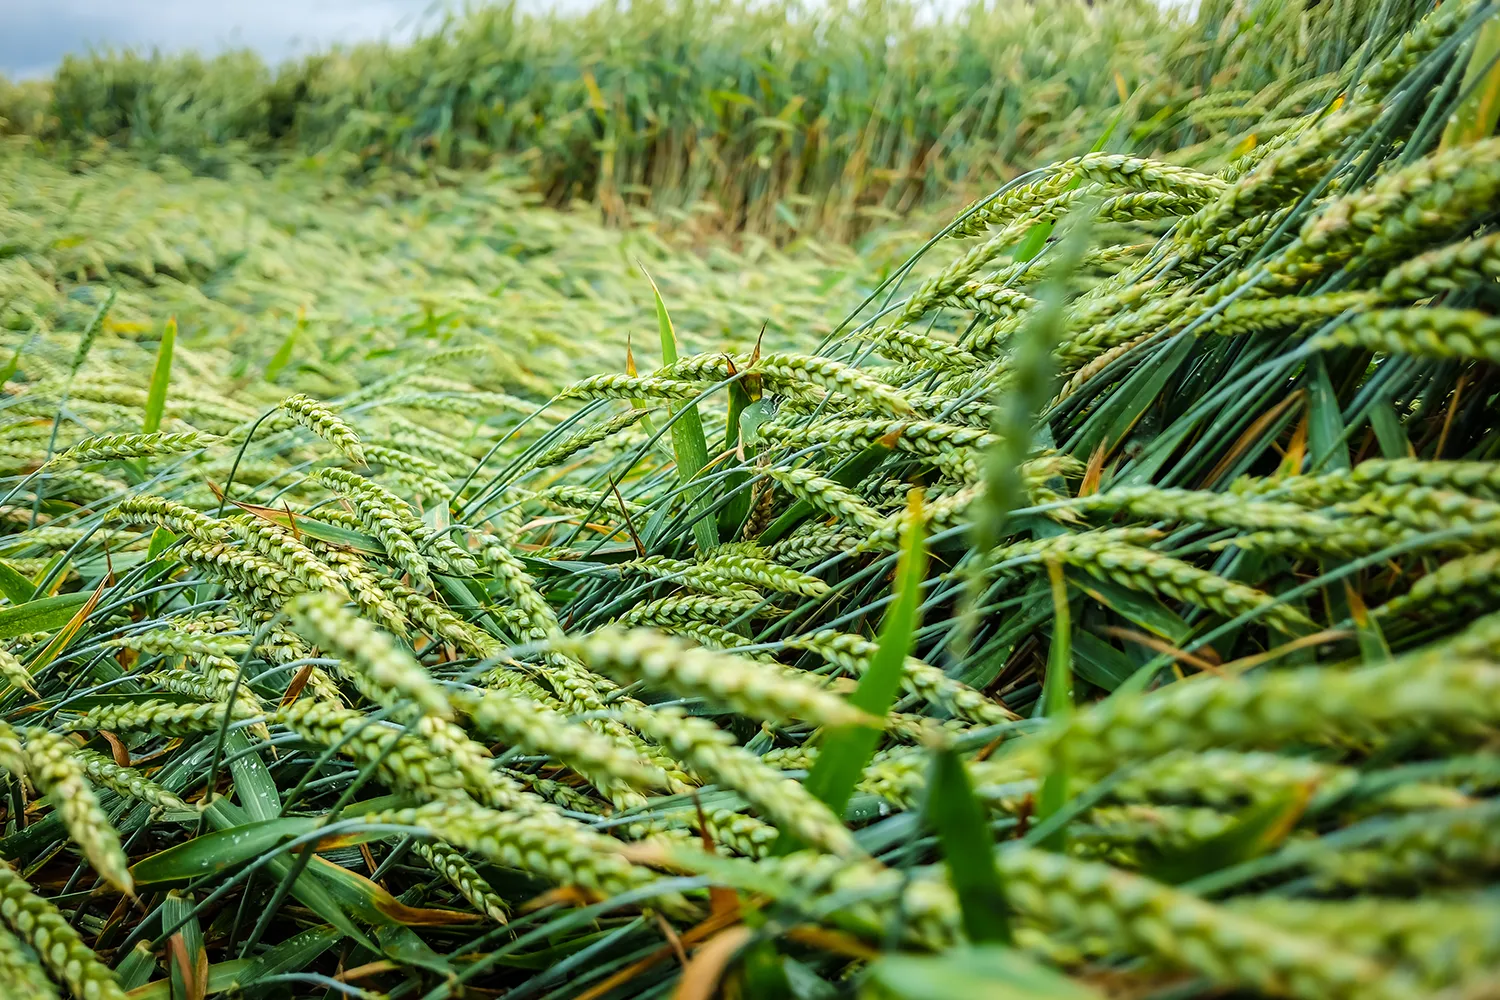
1079 580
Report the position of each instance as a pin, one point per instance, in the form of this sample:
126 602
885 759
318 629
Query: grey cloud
35 34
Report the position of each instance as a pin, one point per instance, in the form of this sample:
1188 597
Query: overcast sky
34 34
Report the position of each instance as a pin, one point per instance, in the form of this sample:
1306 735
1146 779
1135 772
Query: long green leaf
404 946
295 953
173 909
991 973
161 539
221 977
283 355
161 375
762 972
237 839
688 443
743 410
1325 429
333 534
846 751
42 615
9 371
16 588
1137 394
1373 648
69 631
1475 118
1099 663
1057 694
1389 433
375 905
963 829
231 845
135 968
252 779
52 575
228 817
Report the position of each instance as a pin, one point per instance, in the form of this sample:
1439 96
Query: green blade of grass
218 851
989 973
226 816
52 575
1057 695
688 443
1389 433
743 409
1137 394
762 972
253 782
407 949
1373 648
221 976
9 371
333 534
174 909
846 751
1475 118
161 540
1325 422
296 952
135 968
637 402
16 588
69 631
42 615
1099 663
161 374
283 355
963 829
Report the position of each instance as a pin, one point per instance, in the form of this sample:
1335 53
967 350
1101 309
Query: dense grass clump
1107 604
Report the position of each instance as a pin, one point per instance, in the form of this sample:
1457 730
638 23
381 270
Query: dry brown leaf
700 978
